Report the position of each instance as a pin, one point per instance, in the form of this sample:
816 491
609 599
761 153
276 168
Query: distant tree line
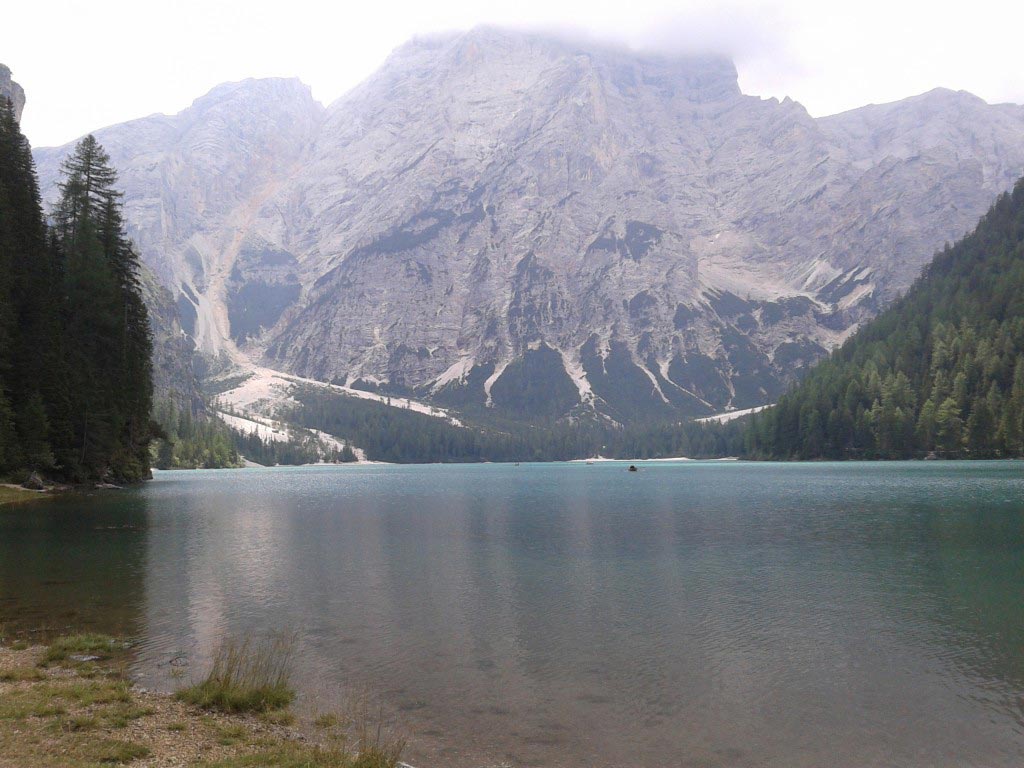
939 373
404 436
75 346
192 440
303 449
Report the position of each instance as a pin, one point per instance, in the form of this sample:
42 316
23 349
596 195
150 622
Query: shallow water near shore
690 614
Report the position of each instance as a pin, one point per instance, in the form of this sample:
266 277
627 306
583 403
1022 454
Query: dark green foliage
396 435
34 435
75 377
298 450
941 372
535 385
8 438
626 390
30 364
106 333
192 441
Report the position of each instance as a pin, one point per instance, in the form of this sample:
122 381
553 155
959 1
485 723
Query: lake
690 614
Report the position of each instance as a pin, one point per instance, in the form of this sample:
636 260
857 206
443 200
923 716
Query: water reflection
711 614
66 567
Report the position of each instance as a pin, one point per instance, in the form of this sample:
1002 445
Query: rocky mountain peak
11 90
697 78
497 212
288 89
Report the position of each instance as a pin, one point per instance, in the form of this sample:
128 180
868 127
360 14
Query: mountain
174 375
11 90
520 222
940 372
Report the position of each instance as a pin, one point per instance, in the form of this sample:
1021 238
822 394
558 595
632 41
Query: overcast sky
85 65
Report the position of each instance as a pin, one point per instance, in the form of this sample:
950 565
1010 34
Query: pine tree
29 295
34 435
75 371
106 325
8 439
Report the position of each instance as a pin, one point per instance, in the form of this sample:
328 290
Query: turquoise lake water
690 614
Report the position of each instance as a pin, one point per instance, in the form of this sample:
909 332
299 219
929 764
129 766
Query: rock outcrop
497 213
11 90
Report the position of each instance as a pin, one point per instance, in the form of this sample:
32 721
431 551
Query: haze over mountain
515 220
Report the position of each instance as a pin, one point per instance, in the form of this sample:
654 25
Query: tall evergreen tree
30 289
106 327
75 370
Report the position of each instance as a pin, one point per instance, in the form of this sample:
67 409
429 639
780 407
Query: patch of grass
20 675
287 756
230 734
10 494
246 677
49 699
378 757
115 751
120 715
375 748
63 648
78 723
326 720
48 710
97 692
36 701
67 718
278 717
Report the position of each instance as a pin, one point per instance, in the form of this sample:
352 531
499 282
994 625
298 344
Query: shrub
246 677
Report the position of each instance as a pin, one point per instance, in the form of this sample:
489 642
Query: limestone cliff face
11 90
194 183
632 234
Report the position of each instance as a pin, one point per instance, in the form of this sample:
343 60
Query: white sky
85 65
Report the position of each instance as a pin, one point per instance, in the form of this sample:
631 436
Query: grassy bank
72 704
11 494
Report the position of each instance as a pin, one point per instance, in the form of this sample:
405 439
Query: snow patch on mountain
455 374
724 418
279 432
574 368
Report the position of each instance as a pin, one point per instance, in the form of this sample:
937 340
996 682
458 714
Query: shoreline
11 493
665 460
69 709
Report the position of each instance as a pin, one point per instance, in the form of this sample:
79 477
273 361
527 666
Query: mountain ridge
493 203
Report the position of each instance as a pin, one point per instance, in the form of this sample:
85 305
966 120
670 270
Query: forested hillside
75 346
401 436
941 372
